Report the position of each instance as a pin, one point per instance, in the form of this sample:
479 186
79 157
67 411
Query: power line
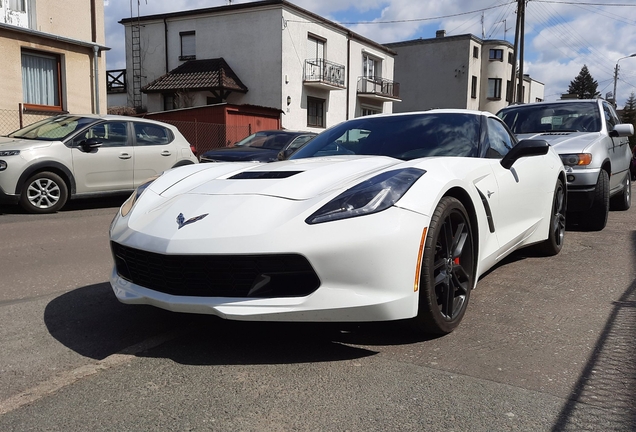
587 4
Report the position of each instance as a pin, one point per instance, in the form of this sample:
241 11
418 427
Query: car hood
566 142
235 154
7 143
299 179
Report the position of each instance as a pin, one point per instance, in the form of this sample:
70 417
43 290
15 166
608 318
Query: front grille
252 276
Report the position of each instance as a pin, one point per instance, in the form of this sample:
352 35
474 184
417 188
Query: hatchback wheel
623 200
45 192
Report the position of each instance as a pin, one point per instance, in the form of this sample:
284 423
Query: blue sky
561 35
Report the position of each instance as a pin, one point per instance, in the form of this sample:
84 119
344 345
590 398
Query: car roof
560 101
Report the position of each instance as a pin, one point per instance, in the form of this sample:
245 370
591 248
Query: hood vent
246 175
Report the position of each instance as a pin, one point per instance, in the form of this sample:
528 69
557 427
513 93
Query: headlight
371 196
578 159
130 202
9 152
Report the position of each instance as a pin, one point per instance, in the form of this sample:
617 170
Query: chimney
440 33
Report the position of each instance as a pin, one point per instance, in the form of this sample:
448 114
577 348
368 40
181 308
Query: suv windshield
557 117
53 129
404 137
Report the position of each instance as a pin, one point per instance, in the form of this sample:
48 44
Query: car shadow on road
604 396
91 322
114 201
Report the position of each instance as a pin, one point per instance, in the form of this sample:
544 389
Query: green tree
629 116
584 86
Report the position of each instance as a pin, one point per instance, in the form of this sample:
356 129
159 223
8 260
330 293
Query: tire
623 201
554 243
45 192
596 218
447 271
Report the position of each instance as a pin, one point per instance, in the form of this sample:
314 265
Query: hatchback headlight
371 196
577 159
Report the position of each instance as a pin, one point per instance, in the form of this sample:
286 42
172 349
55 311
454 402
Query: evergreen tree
629 116
584 86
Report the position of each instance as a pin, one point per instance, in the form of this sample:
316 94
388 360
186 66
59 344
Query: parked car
379 218
72 156
263 146
593 146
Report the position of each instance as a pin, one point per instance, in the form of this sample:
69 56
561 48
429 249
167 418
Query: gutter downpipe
165 42
96 63
348 72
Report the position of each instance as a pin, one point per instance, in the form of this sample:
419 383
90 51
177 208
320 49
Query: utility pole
513 78
521 16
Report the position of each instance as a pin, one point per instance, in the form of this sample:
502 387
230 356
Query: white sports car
379 218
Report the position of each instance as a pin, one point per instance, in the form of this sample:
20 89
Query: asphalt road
547 344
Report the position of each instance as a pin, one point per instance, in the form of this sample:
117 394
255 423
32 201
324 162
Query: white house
268 53
457 72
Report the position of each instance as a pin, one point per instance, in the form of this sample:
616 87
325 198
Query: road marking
67 378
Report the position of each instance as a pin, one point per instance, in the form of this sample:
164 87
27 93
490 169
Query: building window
510 58
509 91
494 88
371 67
366 111
41 85
476 52
188 46
473 87
315 112
315 47
17 5
496 54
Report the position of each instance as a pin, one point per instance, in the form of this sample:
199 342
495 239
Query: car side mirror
622 130
525 148
90 144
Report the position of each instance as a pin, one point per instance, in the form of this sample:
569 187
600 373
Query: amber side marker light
418 269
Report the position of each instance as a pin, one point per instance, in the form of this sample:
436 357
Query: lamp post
616 77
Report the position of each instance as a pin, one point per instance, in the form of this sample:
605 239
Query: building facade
457 72
266 53
51 63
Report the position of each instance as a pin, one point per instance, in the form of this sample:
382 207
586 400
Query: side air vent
264 175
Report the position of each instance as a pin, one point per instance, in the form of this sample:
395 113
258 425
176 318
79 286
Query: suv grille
256 276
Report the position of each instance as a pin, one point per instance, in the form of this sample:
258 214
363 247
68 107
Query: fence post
20 114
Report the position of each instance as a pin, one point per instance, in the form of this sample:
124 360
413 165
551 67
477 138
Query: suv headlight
9 152
577 159
371 196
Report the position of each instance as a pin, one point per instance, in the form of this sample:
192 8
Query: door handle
124 156
165 153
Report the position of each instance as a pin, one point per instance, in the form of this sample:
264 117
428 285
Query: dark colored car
263 146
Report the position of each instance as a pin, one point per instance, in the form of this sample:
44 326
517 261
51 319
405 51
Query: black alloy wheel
554 243
447 273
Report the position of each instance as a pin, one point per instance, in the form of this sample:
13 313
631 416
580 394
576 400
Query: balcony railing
324 73
378 88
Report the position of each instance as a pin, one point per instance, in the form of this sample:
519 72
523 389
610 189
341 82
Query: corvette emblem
182 222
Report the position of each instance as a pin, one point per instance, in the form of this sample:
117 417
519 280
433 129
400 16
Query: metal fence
208 136
12 120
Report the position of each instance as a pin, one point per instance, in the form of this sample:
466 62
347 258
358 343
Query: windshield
557 117
266 140
403 137
53 129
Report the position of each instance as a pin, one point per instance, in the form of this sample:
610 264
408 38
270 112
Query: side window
299 141
610 116
111 134
151 134
499 140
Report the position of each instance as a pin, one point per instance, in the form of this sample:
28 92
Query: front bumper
5 198
581 188
366 268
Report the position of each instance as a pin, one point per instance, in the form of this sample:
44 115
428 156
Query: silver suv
593 146
73 156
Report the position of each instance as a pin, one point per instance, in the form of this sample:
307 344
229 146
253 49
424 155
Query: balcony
323 74
116 81
378 89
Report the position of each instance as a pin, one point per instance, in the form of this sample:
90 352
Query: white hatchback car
72 156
